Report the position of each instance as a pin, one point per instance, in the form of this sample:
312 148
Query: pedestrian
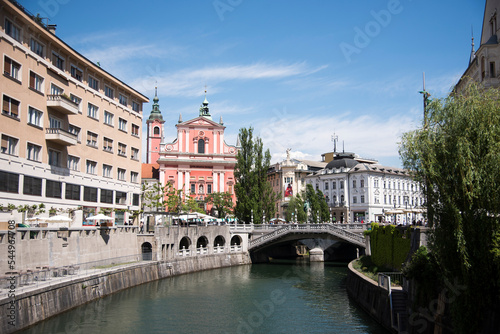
141 229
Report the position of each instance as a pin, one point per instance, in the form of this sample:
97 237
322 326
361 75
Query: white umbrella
59 219
100 217
36 219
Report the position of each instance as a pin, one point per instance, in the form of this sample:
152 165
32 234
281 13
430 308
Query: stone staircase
399 300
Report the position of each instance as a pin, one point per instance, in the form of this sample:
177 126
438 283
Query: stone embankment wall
372 298
34 306
45 247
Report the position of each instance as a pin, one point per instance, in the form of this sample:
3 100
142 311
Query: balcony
62 104
60 136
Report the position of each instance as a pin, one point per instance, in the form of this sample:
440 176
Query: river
282 297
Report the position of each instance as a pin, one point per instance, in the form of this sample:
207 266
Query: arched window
200 189
156 130
201 146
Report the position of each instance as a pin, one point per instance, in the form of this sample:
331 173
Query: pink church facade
198 161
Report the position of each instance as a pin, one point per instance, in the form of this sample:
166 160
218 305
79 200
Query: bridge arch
202 242
219 241
185 243
236 240
146 251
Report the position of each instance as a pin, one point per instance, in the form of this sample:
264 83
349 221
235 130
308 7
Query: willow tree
456 158
254 195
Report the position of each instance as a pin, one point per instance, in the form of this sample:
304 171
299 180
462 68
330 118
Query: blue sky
296 71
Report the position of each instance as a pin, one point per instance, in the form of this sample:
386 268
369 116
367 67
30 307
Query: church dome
341 163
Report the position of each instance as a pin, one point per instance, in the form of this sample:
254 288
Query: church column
215 142
180 179
206 146
187 141
216 179
180 135
186 183
221 184
221 142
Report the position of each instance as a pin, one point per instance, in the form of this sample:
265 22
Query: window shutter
14 106
7 66
32 80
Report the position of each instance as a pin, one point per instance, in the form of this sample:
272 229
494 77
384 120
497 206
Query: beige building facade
70 131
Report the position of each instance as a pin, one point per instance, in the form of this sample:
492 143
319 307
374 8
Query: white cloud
186 82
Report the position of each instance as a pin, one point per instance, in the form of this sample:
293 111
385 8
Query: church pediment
200 121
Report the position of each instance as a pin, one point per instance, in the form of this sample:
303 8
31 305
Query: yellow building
70 131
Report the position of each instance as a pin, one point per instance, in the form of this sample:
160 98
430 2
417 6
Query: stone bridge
317 237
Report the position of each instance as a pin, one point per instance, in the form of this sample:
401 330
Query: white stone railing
184 252
236 248
201 250
333 229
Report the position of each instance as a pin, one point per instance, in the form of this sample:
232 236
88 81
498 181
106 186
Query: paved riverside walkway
31 281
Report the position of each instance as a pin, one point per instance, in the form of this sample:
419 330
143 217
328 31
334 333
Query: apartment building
70 131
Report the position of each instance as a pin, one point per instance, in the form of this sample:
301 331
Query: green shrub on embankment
389 248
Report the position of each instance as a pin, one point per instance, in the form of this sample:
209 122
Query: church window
156 130
193 188
209 188
492 69
201 146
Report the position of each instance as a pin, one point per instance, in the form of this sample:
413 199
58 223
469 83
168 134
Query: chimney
52 28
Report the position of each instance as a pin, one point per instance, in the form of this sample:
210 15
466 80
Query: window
342 185
9 182
54 158
58 61
209 188
106 196
90 194
53 189
354 183
135 199
106 170
334 185
108 144
9 145
362 184
32 186
108 118
122 124
362 199
385 199
93 111
109 92
93 83
492 70
72 191
73 163
156 130
193 188
121 174
121 197
75 131
135 130
135 106
91 167
376 200
122 149
33 152
76 73
375 183
10 107
201 146
326 185
35 117
36 82
91 139
54 123
37 47
135 154
12 68
354 200
123 100
77 100
134 177
12 30
55 90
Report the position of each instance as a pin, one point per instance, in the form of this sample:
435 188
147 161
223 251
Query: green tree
456 158
152 196
253 192
317 204
295 206
222 202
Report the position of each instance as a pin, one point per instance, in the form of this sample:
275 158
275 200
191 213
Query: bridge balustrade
236 248
202 250
218 249
184 252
